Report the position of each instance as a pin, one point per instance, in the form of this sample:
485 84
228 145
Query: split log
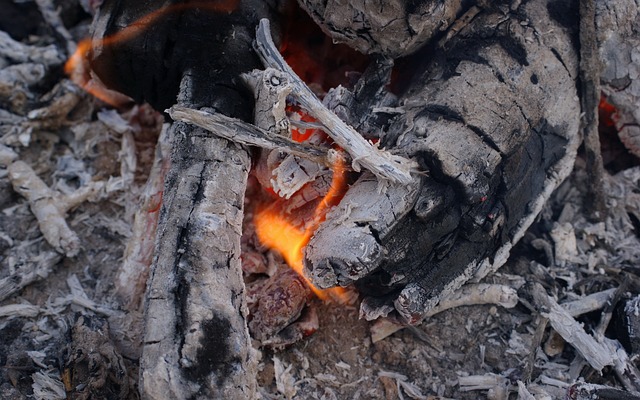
494 119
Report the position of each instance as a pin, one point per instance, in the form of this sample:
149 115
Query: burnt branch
244 133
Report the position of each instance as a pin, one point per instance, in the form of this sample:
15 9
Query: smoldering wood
369 106
391 28
196 339
284 174
196 342
366 221
382 163
503 103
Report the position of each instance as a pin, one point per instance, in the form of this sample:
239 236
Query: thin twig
242 132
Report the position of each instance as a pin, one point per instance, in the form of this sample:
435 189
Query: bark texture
391 28
196 340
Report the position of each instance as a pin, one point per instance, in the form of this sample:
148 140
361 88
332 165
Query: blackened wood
196 342
208 40
626 324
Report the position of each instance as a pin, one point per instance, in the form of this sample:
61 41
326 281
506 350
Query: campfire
390 175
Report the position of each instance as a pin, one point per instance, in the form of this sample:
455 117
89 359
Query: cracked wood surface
196 338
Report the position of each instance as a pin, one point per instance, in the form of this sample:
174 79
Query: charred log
494 118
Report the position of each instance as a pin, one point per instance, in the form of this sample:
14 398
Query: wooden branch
382 163
242 132
50 207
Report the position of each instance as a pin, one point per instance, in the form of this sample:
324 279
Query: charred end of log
397 29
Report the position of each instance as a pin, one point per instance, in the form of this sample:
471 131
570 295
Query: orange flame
275 231
77 66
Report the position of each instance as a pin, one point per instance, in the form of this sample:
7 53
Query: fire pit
384 187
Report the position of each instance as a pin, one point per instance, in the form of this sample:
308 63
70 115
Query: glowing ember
279 232
77 66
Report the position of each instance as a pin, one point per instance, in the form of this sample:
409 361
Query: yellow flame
279 234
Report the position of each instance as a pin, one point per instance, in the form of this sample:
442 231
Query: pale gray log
196 343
